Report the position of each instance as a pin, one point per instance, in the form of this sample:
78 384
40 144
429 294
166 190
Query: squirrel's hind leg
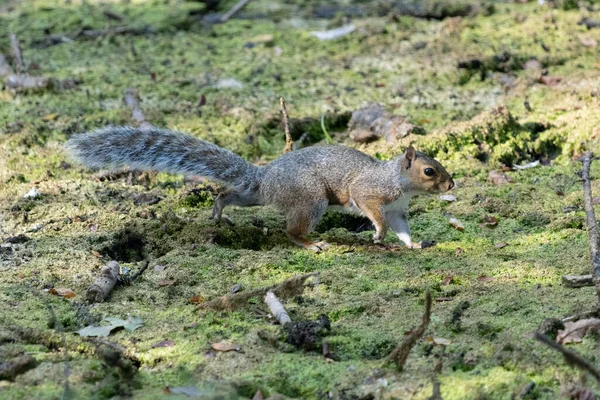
232 197
302 219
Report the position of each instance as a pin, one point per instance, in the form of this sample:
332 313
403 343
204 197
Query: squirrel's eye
429 171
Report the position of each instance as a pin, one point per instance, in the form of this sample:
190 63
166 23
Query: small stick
571 358
401 352
293 286
140 271
590 214
132 100
277 308
234 10
577 281
289 143
105 282
17 55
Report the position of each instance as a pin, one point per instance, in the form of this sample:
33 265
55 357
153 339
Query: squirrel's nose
450 185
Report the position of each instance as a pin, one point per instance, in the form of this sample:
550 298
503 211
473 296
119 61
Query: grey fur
302 183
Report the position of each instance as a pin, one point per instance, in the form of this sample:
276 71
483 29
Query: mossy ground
372 295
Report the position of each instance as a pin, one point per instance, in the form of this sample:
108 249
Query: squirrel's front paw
377 238
414 245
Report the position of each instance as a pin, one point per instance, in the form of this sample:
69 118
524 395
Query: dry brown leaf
166 282
447 280
490 221
62 292
501 245
163 343
589 42
484 278
49 117
197 300
550 80
574 332
498 178
96 254
223 346
456 224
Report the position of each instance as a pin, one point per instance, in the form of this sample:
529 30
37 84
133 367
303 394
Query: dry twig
289 143
104 284
17 55
234 10
579 281
277 308
293 286
132 100
401 352
571 358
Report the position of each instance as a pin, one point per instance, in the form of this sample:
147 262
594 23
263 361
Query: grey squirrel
303 184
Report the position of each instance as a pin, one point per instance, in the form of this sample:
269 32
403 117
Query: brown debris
293 286
498 178
372 122
104 284
401 352
289 143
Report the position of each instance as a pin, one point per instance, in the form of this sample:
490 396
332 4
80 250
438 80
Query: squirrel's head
424 172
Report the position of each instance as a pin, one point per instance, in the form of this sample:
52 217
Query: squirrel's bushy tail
161 150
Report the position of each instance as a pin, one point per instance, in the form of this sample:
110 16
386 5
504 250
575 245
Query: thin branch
289 143
234 10
577 281
140 271
277 308
401 352
104 284
590 214
571 358
17 55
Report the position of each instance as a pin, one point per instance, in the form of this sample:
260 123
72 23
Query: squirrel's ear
409 156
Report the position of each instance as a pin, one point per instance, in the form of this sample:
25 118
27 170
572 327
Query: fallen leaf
49 117
498 178
223 346
166 282
62 292
550 80
458 252
484 278
236 288
163 343
96 254
447 197
447 280
574 332
589 42
490 221
456 224
441 341
197 300
501 245
130 325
